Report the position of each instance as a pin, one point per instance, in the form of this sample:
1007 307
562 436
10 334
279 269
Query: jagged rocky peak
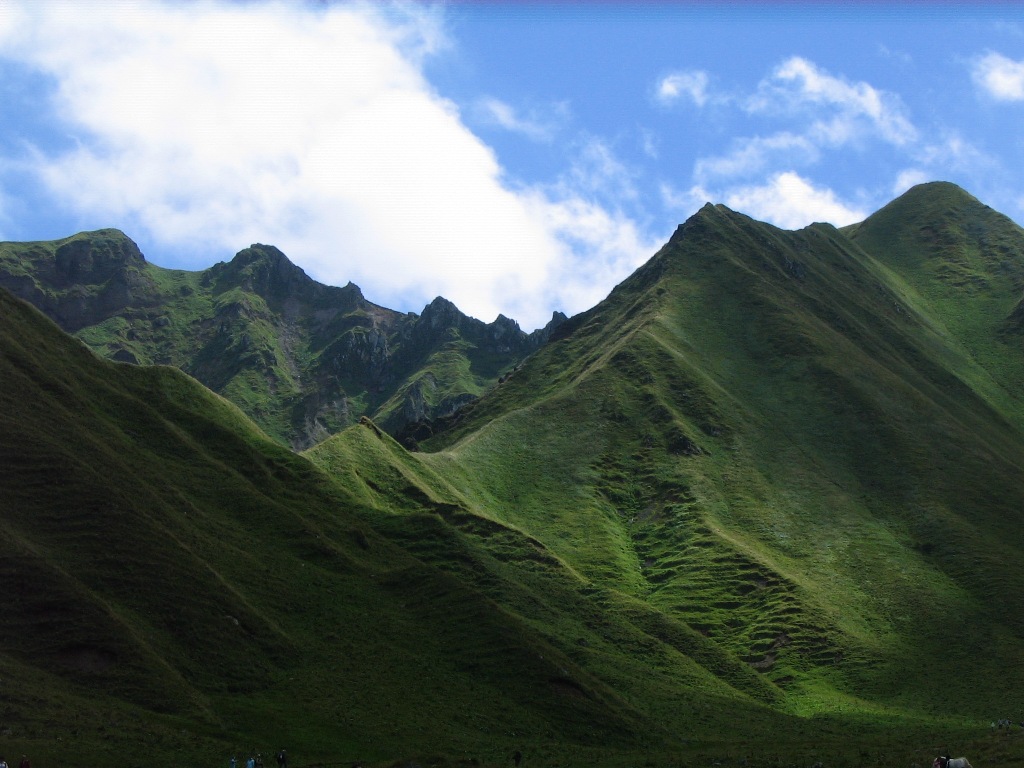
543 335
95 257
264 269
503 327
557 318
268 272
441 313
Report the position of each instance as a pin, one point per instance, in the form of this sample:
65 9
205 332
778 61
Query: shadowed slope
168 567
302 359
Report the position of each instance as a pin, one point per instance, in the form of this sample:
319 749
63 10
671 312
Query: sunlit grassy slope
762 504
795 445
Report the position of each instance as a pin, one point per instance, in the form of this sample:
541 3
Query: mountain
805 445
760 506
178 585
301 358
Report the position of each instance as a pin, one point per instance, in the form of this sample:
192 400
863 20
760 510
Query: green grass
760 507
769 451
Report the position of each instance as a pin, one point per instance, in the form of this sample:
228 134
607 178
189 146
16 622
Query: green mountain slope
759 507
302 359
178 585
960 264
766 436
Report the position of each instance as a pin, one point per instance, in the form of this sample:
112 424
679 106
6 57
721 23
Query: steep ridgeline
805 445
301 358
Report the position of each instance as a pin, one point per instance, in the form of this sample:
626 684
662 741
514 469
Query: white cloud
954 154
907 178
786 200
207 126
496 112
751 155
790 201
684 203
596 171
612 241
691 83
1000 77
826 113
846 110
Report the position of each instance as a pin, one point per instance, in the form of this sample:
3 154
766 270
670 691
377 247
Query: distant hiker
3 763
233 762
517 758
251 762
25 762
259 760
282 759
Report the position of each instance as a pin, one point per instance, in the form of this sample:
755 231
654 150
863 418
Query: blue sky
516 158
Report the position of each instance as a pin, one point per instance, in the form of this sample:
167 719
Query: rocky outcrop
83 280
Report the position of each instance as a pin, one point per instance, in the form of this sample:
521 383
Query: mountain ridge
759 505
302 358
764 329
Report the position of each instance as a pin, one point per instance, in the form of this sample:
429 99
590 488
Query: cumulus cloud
751 155
1000 77
790 201
691 83
614 244
907 178
821 113
785 199
843 111
207 126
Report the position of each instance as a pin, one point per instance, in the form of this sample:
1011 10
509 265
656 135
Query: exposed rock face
85 279
303 359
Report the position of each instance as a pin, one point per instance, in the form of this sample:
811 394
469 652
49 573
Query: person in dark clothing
282 759
517 758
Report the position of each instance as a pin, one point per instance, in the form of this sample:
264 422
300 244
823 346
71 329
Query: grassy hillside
179 585
761 436
759 507
959 264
